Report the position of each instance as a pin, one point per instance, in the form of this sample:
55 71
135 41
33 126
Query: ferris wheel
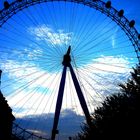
60 60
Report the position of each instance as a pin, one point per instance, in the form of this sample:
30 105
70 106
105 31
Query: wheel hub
67 58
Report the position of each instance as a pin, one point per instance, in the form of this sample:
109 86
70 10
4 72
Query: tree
6 118
119 116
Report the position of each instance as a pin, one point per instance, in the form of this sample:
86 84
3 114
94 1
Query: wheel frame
99 5
18 5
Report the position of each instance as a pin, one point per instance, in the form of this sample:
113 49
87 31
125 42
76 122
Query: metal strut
80 96
58 104
66 63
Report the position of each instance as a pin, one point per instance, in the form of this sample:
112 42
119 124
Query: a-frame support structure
66 63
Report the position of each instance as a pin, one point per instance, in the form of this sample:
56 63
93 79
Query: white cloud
37 132
53 37
118 63
108 71
92 79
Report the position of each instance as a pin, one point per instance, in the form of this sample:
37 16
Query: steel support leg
59 103
80 96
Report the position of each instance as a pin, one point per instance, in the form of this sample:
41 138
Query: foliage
119 116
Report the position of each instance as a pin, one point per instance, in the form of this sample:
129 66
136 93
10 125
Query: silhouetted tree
6 118
119 116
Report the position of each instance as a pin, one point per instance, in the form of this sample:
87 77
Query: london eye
60 59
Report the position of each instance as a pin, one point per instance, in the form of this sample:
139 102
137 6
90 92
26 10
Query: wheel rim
32 53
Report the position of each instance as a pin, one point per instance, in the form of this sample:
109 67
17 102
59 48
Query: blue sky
32 45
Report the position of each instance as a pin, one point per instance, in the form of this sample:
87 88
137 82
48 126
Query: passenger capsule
6 4
121 13
131 23
108 4
139 36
